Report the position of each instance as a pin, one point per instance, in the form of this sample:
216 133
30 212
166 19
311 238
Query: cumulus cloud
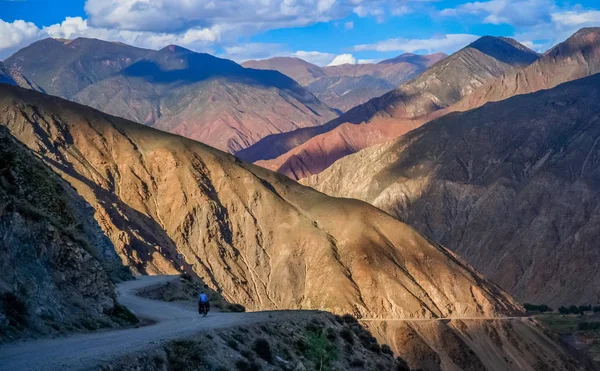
15 35
442 43
349 25
315 57
343 59
191 23
244 15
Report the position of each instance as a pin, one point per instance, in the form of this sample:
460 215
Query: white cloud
349 25
17 34
314 57
367 61
243 52
443 43
196 24
245 15
343 59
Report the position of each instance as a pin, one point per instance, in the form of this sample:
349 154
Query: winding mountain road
87 350
173 321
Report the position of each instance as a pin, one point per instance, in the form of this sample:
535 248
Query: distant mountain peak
505 49
419 59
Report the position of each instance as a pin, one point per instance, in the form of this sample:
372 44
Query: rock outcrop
56 263
511 186
5 77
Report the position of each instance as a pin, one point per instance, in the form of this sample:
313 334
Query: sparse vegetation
320 350
233 344
243 365
122 314
574 309
588 326
347 335
318 345
533 308
186 355
262 348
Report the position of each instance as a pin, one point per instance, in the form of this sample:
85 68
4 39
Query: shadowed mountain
56 263
5 77
512 186
196 95
168 203
308 151
577 57
349 85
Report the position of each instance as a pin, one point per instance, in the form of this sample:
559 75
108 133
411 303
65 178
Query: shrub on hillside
237 308
543 308
321 351
262 348
401 365
588 326
385 349
347 335
574 309
243 365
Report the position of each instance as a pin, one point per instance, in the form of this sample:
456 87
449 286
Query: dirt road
87 350
173 321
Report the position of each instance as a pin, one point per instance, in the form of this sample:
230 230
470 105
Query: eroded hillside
511 186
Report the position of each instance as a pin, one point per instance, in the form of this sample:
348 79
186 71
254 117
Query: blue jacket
203 298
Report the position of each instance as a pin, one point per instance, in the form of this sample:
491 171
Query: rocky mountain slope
196 95
346 86
577 57
308 151
5 77
511 186
168 204
56 263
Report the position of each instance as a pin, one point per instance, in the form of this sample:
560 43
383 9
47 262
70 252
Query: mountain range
346 86
511 186
196 95
170 204
303 152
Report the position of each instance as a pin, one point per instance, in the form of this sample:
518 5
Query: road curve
173 321
87 350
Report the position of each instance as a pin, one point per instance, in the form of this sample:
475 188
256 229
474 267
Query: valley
350 185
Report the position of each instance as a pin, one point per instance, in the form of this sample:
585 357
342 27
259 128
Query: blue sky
320 31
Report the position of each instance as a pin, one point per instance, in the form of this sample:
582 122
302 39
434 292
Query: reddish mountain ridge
196 95
304 152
